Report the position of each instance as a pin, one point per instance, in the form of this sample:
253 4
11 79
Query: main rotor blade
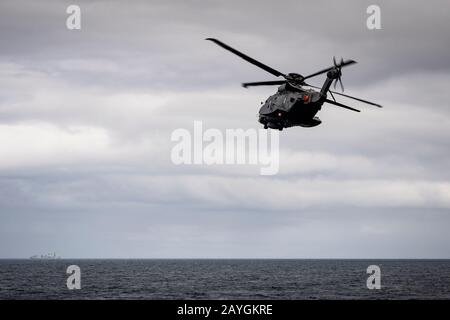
358 99
343 64
247 58
347 96
263 83
341 105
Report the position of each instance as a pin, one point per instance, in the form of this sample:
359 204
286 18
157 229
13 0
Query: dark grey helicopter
293 105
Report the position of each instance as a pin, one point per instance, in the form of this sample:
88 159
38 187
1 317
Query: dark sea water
225 279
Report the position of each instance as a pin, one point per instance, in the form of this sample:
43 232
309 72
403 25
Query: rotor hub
295 79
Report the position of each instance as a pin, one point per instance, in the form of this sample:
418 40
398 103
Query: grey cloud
86 117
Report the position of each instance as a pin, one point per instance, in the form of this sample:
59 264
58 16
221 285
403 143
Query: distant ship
48 256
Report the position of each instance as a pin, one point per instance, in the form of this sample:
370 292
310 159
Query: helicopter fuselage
291 106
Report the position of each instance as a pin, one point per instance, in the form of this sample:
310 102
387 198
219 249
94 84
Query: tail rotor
338 68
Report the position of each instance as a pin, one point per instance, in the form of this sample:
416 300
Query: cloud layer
86 118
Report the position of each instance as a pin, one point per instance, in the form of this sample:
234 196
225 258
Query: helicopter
293 104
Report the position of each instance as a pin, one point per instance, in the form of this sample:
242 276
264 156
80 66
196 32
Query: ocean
224 279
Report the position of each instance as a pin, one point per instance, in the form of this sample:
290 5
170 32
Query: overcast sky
86 118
